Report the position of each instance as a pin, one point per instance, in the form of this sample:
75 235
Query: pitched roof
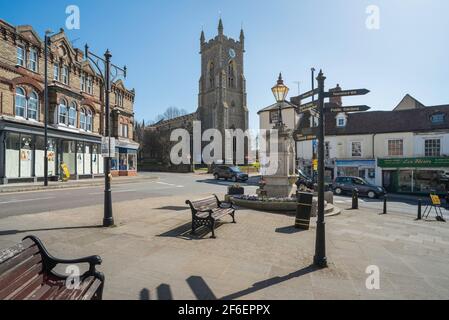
409 120
273 107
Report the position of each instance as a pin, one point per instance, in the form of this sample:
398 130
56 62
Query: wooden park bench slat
26 273
206 212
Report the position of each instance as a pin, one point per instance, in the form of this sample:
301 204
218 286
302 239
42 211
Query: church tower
222 86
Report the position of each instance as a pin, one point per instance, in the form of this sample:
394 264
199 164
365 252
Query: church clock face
232 53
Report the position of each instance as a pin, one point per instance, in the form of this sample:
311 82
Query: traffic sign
108 147
347 93
308 106
332 107
306 95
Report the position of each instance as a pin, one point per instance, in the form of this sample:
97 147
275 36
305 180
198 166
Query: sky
158 40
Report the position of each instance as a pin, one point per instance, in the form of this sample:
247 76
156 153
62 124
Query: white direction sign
108 147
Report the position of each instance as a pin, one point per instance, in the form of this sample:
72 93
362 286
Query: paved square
151 255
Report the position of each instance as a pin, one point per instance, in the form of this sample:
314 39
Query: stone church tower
222 86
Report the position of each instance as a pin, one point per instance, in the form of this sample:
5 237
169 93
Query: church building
221 100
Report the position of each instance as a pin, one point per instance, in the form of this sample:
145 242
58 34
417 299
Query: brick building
76 110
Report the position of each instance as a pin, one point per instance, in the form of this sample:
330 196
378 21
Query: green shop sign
414 163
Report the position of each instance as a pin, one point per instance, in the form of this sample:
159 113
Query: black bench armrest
223 204
51 262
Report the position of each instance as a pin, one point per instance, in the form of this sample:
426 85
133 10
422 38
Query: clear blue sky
159 42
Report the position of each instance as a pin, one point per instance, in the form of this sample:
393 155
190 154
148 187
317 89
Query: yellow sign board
66 172
315 165
435 200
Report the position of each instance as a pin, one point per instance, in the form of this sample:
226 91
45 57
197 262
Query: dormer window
89 85
119 99
33 60
438 118
341 121
65 75
56 72
20 56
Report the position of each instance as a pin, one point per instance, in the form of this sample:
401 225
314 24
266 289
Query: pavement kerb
98 182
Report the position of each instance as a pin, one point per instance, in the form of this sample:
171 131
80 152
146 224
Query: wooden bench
26 273
207 211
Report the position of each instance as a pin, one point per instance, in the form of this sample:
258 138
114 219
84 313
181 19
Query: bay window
72 114
33 106
63 112
56 72
82 119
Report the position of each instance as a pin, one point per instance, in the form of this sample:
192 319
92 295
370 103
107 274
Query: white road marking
26 200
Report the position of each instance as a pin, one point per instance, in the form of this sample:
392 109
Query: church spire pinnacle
220 27
203 37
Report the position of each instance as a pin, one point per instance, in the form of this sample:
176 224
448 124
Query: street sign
347 93
107 147
306 95
332 107
308 106
301 138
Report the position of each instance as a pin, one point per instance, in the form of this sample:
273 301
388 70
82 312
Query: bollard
385 204
355 199
419 209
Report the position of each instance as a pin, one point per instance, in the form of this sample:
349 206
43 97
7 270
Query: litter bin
303 210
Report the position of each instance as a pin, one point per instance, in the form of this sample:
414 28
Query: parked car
229 173
343 185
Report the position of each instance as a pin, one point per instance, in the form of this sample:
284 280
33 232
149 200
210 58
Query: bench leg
212 227
233 217
193 228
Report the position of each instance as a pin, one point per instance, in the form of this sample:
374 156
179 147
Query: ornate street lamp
47 43
280 91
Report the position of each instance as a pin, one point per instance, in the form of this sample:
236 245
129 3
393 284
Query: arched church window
211 75
231 74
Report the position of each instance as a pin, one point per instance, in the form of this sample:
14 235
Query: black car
348 184
230 173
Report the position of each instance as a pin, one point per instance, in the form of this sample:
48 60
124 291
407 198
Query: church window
231 73
211 74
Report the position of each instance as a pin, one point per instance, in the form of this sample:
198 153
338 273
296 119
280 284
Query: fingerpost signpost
320 107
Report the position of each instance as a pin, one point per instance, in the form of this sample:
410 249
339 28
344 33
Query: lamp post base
108 222
320 262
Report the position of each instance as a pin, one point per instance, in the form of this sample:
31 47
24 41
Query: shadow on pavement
288 230
11 232
184 232
163 293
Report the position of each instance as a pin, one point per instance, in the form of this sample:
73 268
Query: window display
26 156
12 155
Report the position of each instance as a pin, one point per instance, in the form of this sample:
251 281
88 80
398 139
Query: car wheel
234 179
338 191
371 195
216 176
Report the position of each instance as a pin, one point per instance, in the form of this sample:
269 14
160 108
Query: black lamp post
106 71
47 43
280 91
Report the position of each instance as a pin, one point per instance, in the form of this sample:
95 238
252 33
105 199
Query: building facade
405 150
221 99
76 110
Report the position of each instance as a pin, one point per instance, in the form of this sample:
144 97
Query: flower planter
236 191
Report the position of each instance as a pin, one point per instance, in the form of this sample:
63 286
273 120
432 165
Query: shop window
427 181
62 112
132 161
20 56
395 147
33 60
68 155
123 162
80 158
26 156
72 114
356 149
432 147
115 161
20 103
12 155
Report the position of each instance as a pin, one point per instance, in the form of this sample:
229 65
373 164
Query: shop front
416 175
365 169
22 151
125 161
